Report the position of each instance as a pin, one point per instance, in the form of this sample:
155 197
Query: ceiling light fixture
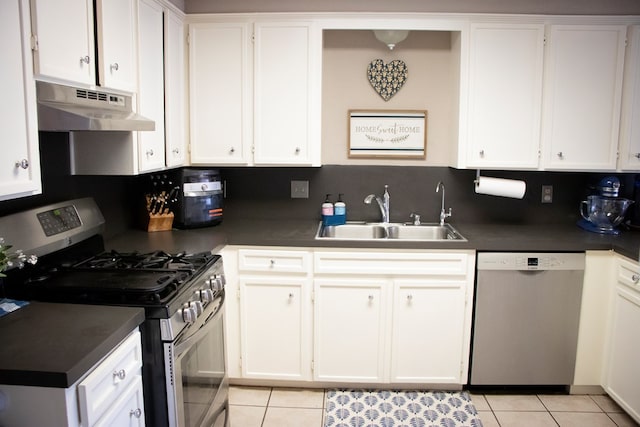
391 37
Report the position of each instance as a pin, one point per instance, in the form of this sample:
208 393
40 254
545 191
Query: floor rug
390 408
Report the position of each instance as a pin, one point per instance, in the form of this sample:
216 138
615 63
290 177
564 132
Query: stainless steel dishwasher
527 309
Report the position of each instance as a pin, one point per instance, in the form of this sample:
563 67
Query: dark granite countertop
301 233
54 345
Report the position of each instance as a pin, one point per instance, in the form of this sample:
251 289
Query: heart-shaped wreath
387 79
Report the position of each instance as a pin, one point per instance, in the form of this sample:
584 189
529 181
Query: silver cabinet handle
85 59
481 153
176 151
560 155
290 295
24 164
637 155
370 297
121 374
232 150
135 413
114 67
272 263
150 153
409 297
297 150
635 278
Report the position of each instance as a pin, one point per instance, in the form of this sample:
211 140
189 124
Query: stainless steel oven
197 384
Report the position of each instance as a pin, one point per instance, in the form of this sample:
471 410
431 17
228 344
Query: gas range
182 295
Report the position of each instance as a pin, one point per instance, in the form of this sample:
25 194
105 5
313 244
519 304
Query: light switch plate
299 189
547 194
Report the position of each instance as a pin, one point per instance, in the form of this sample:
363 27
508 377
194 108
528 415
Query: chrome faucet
384 203
443 214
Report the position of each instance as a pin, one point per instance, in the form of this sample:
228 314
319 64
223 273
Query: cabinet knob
297 150
272 263
290 295
176 151
121 374
370 297
232 150
637 155
409 297
85 59
635 278
481 153
114 67
24 164
149 153
560 155
135 413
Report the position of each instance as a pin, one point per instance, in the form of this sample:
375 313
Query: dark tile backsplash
265 192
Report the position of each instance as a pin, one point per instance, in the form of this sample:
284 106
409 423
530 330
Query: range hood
65 108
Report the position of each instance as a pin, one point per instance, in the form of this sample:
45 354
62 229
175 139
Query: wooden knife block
160 222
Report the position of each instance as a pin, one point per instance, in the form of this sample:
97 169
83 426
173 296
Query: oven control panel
59 220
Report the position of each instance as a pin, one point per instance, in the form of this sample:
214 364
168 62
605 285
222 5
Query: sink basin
389 232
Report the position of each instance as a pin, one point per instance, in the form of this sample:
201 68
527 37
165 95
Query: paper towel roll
501 187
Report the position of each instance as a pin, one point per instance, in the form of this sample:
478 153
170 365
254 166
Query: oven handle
184 343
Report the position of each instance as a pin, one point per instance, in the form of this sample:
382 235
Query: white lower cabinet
110 394
274 328
345 316
622 371
428 331
350 330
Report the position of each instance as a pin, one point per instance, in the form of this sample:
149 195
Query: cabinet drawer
396 263
629 274
276 261
102 387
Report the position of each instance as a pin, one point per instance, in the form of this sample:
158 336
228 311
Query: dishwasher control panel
530 261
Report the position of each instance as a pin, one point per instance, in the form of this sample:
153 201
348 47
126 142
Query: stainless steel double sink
364 231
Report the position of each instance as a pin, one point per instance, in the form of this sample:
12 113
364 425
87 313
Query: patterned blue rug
389 408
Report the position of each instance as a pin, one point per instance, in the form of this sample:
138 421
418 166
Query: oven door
197 384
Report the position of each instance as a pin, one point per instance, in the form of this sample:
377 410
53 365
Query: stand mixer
603 212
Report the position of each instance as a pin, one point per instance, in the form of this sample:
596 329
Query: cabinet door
20 161
175 87
220 93
622 380
428 331
505 95
128 410
116 21
583 87
151 145
350 330
287 59
65 44
275 328
630 124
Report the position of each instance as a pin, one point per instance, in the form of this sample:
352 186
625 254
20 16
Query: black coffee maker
200 198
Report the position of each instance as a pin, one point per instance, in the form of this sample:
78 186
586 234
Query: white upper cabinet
255 92
582 96
505 96
151 145
220 93
175 89
20 160
630 122
116 20
63 42
287 93
64 45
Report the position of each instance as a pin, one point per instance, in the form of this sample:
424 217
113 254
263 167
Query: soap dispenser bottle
327 211
340 211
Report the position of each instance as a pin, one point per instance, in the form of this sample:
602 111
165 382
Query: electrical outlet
547 193
299 189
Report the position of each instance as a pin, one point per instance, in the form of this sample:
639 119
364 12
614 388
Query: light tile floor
286 407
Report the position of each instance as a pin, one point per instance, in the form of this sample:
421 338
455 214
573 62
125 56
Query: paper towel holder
499 187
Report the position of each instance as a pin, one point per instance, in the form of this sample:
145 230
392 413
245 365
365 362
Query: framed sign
398 134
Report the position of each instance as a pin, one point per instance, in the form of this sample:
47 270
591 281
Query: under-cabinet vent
90 94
